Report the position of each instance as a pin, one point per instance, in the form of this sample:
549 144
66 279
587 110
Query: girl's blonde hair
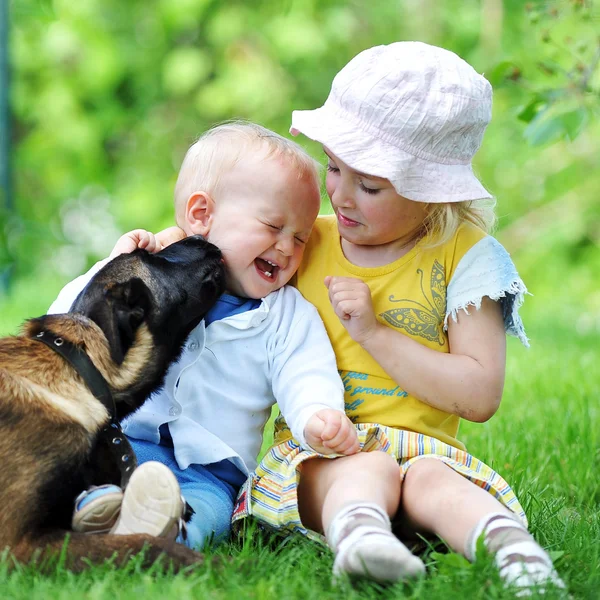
220 148
444 219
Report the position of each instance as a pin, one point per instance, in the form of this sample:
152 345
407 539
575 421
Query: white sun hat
409 112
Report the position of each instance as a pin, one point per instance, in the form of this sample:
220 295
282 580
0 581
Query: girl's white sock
361 537
521 561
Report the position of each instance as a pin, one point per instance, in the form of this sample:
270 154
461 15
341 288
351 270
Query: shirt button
193 346
174 411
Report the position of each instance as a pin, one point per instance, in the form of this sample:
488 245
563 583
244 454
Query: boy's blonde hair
444 219
220 148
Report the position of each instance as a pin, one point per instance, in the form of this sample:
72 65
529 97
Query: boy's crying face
261 222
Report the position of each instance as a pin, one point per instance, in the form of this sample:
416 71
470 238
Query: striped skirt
270 493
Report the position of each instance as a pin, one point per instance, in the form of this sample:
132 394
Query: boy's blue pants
211 498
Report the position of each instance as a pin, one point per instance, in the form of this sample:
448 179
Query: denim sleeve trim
487 270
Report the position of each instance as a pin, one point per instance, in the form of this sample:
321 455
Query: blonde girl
417 299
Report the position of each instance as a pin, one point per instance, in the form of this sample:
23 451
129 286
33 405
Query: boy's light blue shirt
226 306
218 396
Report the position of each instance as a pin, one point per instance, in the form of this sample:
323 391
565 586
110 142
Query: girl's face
369 210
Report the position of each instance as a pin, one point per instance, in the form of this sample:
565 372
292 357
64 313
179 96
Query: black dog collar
112 434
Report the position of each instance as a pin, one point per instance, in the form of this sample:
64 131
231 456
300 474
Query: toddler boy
255 195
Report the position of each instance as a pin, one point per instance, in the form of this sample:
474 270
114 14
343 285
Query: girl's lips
346 222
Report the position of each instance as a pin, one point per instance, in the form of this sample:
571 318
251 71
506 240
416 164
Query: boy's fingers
317 429
341 436
169 236
145 241
331 429
352 447
153 245
347 445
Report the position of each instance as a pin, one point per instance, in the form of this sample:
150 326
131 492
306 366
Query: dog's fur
132 320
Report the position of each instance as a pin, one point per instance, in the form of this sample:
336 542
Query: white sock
521 561
361 537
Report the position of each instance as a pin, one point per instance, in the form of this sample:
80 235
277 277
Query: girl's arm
467 382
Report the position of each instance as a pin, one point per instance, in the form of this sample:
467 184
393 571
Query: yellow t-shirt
408 295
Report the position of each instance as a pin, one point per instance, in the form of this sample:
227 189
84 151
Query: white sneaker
97 509
152 503
376 554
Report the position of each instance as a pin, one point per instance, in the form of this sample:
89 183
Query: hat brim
412 177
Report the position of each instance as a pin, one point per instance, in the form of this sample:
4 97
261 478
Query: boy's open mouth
266 268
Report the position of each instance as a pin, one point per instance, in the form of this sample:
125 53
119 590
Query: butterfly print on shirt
422 319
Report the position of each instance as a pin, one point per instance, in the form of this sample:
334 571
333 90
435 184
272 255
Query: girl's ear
199 211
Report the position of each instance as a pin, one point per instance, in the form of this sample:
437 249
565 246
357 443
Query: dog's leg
80 551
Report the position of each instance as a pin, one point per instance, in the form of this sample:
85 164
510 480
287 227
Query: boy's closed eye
274 226
299 238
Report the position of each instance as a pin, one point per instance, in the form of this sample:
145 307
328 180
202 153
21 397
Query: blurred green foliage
565 95
107 96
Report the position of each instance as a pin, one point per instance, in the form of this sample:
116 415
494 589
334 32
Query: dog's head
169 292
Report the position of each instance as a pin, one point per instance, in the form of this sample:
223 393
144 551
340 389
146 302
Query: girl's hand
330 431
351 301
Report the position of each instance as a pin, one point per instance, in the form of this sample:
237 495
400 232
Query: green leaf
450 559
544 130
574 121
503 71
184 69
532 109
549 67
556 554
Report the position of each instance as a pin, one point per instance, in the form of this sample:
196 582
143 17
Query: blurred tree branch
561 78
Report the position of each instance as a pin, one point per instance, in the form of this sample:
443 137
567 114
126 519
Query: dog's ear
124 307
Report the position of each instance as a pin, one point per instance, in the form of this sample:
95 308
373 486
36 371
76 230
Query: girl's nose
342 196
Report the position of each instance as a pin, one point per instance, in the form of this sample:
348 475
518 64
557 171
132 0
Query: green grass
544 440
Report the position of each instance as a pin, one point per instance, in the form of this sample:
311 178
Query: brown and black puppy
131 320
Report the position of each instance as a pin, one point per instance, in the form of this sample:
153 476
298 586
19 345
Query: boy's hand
169 236
351 301
330 431
140 238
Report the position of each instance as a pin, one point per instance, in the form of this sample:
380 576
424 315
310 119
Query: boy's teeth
263 263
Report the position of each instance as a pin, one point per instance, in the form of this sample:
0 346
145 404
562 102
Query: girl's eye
332 168
300 240
273 226
368 190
